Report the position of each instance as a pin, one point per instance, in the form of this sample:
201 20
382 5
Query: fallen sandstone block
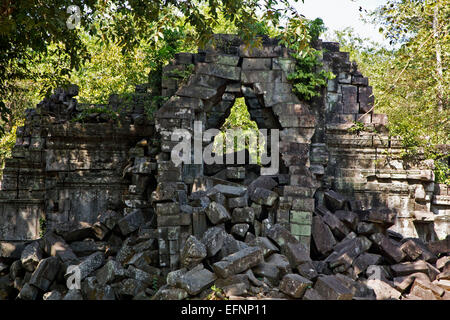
56 246
45 273
264 197
111 272
406 268
31 256
416 249
238 262
295 285
217 213
334 201
193 252
383 290
331 288
196 280
280 235
388 249
131 222
213 240
322 236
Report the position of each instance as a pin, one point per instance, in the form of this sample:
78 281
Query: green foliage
240 121
442 172
7 142
216 294
42 226
356 128
306 79
32 31
88 112
411 80
308 76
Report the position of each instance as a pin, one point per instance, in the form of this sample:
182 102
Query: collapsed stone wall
64 172
367 165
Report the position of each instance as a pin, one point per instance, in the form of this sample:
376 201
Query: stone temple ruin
104 194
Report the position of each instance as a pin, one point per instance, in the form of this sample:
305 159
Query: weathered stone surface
88 247
144 261
322 236
415 249
296 253
75 231
383 216
235 173
167 209
111 272
238 202
217 213
240 230
193 252
92 290
269 271
440 246
262 182
366 228
346 256
307 270
31 256
280 235
389 250
56 246
348 217
243 215
167 293
28 292
442 262
339 229
236 289
331 288
281 262
73 295
264 196
380 272
363 261
108 219
228 191
133 221
141 276
213 240
230 246
238 262
16 270
257 64
265 244
90 264
406 268
11 249
128 288
219 70
383 290
196 280
358 288
312 294
45 273
334 201
295 285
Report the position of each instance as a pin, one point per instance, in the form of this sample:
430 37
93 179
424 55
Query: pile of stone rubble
241 254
